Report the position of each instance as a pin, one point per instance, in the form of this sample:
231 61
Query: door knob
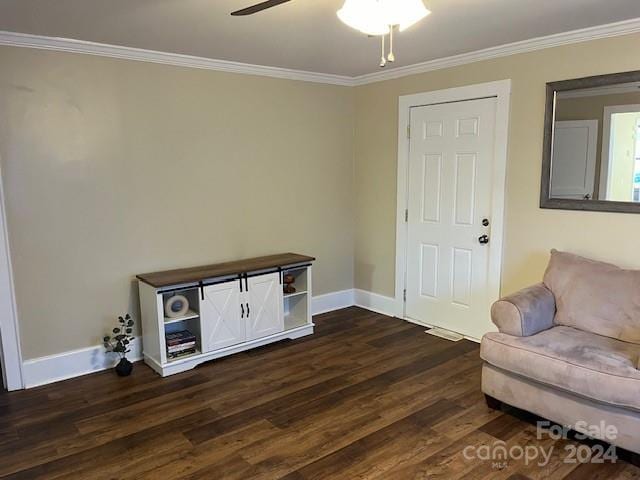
483 239
485 222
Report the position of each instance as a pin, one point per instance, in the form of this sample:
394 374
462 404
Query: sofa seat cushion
594 366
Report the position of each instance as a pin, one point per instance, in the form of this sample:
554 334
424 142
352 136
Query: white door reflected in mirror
596 144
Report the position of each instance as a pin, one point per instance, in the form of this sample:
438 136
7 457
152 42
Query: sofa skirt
562 407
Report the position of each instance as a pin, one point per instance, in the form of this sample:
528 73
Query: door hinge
406 215
409 131
404 295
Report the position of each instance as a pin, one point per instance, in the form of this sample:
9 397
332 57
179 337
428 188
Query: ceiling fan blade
258 7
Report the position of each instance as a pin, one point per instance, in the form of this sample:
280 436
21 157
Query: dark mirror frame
569 204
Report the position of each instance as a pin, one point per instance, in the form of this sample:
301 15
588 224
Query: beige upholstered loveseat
568 348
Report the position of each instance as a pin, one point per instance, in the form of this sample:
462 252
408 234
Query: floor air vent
446 334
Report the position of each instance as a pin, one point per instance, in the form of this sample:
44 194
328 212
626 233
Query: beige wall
100 155
530 231
113 168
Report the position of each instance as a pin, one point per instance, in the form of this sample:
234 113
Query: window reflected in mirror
596 144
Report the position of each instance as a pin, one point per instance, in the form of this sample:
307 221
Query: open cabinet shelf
297 306
295 294
189 322
184 357
187 316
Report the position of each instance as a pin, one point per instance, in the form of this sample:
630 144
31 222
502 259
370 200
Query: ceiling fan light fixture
377 17
365 16
406 12
380 17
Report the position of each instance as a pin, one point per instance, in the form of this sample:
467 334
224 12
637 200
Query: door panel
451 155
461 276
265 300
222 323
432 177
574 159
429 279
465 183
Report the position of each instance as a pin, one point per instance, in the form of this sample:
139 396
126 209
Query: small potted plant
119 343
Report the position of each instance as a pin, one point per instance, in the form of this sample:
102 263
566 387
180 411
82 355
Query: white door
451 157
265 302
222 321
573 167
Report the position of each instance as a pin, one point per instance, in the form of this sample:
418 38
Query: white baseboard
331 301
374 302
75 363
353 297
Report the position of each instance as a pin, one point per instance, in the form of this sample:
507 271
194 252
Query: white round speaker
176 306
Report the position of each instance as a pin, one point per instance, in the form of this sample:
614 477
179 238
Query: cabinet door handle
246 282
241 310
248 310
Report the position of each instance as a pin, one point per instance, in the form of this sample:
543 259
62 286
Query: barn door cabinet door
264 298
222 315
232 314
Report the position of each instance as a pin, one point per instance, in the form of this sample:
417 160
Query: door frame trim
501 90
10 349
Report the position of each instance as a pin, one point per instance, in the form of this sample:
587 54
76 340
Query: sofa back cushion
594 296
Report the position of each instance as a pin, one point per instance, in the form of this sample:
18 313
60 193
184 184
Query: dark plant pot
124 367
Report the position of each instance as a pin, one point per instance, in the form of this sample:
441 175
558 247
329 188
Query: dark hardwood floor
366 397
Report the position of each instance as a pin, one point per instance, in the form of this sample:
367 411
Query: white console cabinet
233 307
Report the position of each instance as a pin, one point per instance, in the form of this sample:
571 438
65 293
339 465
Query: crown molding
625 27
15 39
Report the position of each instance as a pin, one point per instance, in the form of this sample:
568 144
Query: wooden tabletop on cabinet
195 274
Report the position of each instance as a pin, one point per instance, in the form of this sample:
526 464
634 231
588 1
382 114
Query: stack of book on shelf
180 344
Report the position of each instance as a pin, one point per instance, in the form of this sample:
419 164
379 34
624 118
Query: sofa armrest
526 312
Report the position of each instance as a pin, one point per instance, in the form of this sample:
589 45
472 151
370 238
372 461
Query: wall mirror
591 158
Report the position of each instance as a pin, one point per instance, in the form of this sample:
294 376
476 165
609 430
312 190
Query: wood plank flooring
367 397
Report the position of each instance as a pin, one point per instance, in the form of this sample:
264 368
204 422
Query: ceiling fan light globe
404 13
365 16
379 17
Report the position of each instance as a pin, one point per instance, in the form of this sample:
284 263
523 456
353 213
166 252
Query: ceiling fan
258 7
373 17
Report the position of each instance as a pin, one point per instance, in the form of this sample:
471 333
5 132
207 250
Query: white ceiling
304 34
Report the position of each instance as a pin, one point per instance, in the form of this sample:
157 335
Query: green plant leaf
130 323
116 330
106 339
128 330
127 316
